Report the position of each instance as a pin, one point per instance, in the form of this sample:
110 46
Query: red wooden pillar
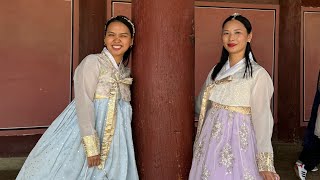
289 70
163 72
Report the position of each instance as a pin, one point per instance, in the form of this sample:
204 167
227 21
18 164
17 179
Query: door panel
35 55
310 58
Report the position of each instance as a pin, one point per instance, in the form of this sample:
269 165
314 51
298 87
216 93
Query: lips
231 45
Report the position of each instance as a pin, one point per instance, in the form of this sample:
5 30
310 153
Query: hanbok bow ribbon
111 116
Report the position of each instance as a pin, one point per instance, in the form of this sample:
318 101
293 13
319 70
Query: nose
117 39
231 37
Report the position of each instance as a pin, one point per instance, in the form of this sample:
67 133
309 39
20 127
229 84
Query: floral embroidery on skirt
226 149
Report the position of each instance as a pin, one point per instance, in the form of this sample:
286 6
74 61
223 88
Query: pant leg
310 155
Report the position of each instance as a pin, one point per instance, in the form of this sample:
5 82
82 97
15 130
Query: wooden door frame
302 62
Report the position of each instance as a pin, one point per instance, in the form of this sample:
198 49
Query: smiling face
235 38
118 39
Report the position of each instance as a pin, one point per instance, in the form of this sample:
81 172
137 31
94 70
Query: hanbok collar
111 58
228 71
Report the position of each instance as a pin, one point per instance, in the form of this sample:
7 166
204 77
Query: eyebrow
233 30
110 32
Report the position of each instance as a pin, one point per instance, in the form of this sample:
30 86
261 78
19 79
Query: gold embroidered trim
111 117
91 145
204 102
239 109
97 96
265 162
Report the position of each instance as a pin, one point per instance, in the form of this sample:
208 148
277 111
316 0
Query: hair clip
234 15
130 22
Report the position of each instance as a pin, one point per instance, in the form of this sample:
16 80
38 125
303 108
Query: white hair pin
234 15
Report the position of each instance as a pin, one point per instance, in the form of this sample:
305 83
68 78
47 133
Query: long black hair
126 21
225 53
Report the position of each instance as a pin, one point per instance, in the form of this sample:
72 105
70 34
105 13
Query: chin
232 51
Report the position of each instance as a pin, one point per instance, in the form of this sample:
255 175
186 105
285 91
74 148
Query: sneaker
301 172
315 169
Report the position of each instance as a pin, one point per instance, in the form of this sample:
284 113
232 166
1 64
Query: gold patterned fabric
199 149
111 116
204 103
91 145
239 109
205 174
265 162
244 133
227 158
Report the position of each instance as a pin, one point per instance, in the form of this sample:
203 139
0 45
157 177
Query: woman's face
235 37
118 39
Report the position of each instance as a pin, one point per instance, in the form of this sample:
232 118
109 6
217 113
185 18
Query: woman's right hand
93 161
267 175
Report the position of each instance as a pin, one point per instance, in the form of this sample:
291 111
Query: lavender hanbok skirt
226 147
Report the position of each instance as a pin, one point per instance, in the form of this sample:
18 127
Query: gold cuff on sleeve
91 145
265 162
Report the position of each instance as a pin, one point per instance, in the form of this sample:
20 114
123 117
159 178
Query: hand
93 161
267 175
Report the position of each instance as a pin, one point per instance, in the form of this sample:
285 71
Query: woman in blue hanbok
91 139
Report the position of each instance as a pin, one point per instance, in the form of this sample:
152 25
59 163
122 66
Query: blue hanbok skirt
59 154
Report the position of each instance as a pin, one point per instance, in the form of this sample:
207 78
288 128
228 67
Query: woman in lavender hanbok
233 140
91 139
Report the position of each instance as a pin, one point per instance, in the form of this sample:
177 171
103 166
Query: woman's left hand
267 175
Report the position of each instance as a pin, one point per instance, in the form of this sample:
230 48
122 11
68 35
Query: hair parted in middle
248 51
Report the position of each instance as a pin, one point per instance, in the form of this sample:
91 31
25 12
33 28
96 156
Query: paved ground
9 167
285 156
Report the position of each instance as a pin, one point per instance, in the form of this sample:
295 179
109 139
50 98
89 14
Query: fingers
263 175
269 175
273 176
96 161
93 161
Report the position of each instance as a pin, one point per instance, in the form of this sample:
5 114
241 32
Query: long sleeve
85 83
262 119
199 97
